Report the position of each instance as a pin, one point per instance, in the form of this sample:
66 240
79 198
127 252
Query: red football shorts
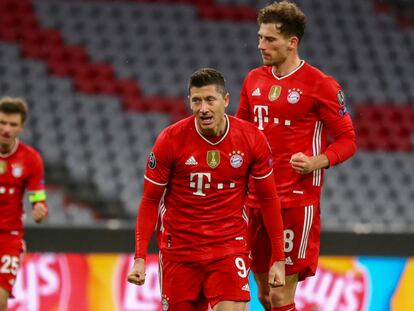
302 240
191 286
11 249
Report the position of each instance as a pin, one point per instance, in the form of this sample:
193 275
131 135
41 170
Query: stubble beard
270 62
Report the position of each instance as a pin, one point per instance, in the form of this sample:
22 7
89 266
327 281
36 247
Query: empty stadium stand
104 77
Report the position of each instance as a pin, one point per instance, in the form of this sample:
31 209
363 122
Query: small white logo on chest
191 161
256 92
288 261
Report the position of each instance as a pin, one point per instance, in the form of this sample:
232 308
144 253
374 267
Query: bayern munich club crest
236 159
294 96
164 303
17 171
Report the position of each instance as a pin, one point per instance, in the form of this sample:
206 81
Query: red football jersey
202 211
21 169
295 112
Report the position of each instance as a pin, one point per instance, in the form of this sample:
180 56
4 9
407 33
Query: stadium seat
108 80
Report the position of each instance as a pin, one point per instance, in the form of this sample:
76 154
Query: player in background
21 168
295 105
196 178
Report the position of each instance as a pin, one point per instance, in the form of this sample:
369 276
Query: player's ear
293 42
226 99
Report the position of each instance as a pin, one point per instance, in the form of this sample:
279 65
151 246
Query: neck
218 131
289 65
221 128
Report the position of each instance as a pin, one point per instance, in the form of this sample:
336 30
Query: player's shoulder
243 126
259 71
28 149
316 75
29 153
248 134
178 128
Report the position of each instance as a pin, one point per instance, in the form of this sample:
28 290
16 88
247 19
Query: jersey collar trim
302 62
224 136
8 154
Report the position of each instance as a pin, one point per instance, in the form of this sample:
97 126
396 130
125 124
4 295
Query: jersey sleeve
272 215
262 164
264 183
36 180
147 217
159 162
244 111
334 114
157 174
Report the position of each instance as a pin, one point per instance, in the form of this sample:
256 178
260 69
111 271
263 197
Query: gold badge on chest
3 167
213 158
274 92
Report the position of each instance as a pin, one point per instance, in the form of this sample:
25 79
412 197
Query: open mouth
206 119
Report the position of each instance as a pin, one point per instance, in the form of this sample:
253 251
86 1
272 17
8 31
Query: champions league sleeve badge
341 97
341 100
152 162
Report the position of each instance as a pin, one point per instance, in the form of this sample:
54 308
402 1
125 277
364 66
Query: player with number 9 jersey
196 180
202 212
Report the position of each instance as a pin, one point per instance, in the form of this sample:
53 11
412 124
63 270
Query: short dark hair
288 14
10 105
208 76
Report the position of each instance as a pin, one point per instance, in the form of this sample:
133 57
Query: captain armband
37 196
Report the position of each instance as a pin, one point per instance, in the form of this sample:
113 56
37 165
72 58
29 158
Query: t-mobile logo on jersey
198 183
261 115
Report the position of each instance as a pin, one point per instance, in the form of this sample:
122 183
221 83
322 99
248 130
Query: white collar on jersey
13 150
224 136
302 62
